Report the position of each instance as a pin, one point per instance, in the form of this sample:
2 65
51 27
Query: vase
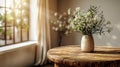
87 43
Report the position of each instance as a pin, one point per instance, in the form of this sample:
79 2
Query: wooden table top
73 54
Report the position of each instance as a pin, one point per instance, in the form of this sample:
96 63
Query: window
14 21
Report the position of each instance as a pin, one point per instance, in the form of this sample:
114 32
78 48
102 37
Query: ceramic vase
87 43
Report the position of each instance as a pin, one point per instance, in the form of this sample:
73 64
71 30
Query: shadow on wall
72 39
109 39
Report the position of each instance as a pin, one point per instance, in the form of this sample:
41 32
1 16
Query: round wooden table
71 56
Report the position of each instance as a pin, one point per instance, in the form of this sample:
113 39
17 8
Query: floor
47 65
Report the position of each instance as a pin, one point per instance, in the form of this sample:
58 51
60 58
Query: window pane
25 19
18 24
9 17
18 4
2 35
25 12
2 29
25 4
9 3
2 11
9 26
24 35
2 3
25 28
17 13
1 17
9 35
17 30
18 35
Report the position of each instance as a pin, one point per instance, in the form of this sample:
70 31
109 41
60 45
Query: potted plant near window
88 23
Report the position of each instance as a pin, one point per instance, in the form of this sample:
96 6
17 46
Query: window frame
14 23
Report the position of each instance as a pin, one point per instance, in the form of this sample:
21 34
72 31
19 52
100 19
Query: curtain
44 42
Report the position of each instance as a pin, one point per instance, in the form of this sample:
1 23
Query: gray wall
111 9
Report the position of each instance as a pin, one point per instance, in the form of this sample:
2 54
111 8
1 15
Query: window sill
18 45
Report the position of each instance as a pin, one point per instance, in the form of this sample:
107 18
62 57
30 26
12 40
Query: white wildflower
53 28
55 14
69 11
60 25
77 9
60 17
66 32
68 27
88 13
96 17
56 29
64 14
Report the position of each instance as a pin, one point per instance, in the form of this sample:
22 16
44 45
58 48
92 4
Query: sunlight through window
14 21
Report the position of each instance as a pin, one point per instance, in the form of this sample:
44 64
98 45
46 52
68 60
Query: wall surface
53 8
111 9
18 57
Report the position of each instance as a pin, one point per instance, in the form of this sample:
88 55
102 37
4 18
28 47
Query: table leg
59 65
56 65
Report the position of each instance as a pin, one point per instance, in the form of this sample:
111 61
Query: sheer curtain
44 42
